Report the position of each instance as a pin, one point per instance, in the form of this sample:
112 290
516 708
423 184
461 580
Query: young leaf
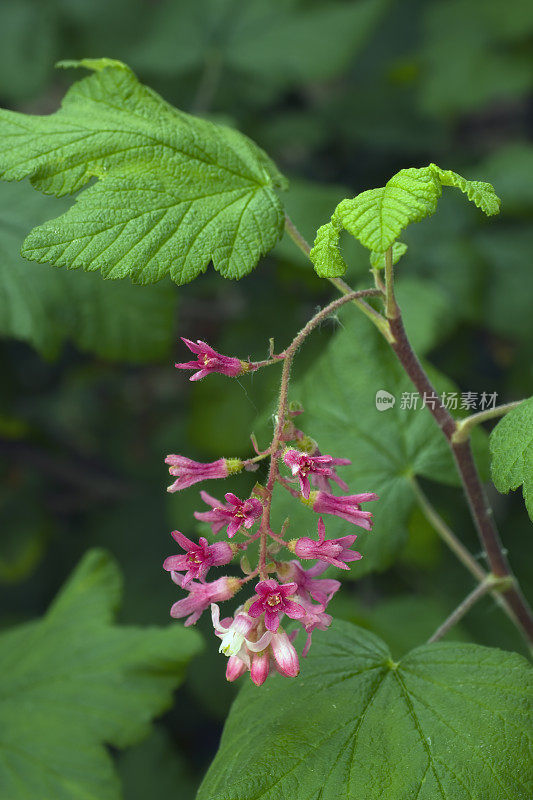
448 721
511 448
388 444
73 681
377 217
172 192
325 254
480 193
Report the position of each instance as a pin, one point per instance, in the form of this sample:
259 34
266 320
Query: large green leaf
378 216
45 306
387 446
448 722
73 681
172 192
511 448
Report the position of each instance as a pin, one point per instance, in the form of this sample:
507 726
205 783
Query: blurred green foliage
341 95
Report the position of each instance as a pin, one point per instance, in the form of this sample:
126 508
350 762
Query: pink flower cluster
254 638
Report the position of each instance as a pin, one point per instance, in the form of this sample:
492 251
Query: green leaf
511 448
45 306
172 192
388 446
325 253
482 194
73 681
377 217
448 721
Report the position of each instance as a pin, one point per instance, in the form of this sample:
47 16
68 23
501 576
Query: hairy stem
281 413
462 453
391 306
464 426
374 316
489 584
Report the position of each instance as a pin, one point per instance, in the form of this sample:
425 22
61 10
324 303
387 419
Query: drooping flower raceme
208 361
254 639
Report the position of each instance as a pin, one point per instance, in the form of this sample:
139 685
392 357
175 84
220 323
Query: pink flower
198 558
302 465
238 635
309 586
333 551
280 654
239 641
235 514
272 600
284 654
247 649
347 507
235 668
312 620
210 361
186 471
201 595
260 667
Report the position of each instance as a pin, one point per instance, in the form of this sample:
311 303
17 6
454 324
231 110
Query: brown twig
462 453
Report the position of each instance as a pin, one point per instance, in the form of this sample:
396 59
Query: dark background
341 95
